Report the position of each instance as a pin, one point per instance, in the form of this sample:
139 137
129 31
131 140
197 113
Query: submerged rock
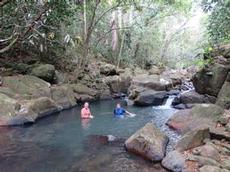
148 142
174 161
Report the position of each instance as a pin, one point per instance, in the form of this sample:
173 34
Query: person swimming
120 112
85 112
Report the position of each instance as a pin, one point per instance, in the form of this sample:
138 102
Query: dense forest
115 85
171 33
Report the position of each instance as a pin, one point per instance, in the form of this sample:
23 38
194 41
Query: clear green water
64 142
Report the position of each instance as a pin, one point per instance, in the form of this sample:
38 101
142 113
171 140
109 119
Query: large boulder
190 97
201 115
174 161
223 98
150 97
83 93
154 82
174 77
154 70
207 150
27 111
8 106
187 98
118 84
148 142
134 91
45 72
63 95
210 79
25 87
38 108
193 139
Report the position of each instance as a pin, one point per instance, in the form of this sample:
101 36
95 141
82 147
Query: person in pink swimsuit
85 112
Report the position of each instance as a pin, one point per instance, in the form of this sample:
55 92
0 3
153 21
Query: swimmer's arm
129 113
90 115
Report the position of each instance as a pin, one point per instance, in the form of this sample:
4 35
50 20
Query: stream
63 142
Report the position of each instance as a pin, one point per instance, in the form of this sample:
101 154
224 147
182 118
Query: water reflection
85 123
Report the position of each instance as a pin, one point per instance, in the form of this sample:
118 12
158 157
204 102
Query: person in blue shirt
120 112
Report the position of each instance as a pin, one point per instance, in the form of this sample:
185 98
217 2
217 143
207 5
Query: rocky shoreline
42 91
204 120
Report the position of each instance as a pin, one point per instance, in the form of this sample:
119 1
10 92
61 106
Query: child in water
120 112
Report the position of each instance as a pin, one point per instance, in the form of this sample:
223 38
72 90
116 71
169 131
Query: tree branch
103 36
4 2
9 46
104 13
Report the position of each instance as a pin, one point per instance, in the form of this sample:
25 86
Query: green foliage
149 31
206 59
219 20
201 63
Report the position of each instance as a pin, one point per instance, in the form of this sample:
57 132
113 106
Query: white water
167 104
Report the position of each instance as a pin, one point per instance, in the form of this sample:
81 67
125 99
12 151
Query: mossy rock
223 98
45 72
8 106
210 80
83 89
63 96
25 86
201 115
40 107
210 111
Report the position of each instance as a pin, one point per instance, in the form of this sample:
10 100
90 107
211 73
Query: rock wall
213 79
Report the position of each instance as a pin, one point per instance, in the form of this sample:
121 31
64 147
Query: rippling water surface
63 142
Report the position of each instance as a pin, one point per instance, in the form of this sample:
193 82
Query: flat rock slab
201 115
193 139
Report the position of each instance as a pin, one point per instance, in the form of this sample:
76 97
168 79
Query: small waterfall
169 101
167 104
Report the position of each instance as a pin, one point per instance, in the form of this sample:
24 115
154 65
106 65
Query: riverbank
63 142
42 90
203 122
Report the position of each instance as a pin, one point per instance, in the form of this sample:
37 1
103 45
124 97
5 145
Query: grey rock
174 161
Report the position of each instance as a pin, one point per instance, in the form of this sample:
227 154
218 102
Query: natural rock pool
63 142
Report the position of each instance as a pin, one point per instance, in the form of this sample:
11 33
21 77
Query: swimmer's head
86 104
